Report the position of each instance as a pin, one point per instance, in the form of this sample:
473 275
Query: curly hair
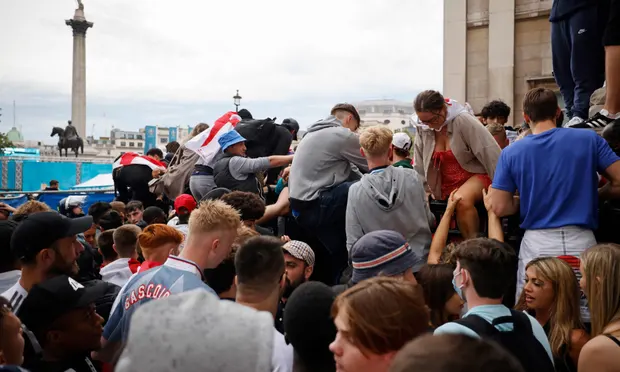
250 206
32 206
495 109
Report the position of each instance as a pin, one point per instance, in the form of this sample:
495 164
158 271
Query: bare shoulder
599 354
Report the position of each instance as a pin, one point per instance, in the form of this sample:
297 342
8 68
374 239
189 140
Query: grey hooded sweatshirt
324 159
392 198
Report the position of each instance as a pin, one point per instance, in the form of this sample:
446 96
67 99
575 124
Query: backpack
520 342
259 136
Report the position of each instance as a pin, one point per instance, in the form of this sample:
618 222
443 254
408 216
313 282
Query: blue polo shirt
556 175
176 275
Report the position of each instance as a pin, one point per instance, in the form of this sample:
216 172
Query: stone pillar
80 25
455 49
502 52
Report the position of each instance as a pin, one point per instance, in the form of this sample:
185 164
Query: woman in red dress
453 150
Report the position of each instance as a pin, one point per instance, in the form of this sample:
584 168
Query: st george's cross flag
133 158
205 144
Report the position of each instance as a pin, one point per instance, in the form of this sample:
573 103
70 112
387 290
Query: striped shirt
16 295
176 275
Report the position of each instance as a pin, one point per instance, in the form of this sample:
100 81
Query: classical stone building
496 49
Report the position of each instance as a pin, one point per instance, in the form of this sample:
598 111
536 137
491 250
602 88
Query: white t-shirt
183 229
8 279
16 295
282 358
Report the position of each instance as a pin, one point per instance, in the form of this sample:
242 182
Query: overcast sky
176 63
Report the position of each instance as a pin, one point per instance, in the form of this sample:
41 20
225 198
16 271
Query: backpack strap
520 320
478 325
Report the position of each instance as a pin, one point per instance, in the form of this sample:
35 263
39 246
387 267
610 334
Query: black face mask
75 215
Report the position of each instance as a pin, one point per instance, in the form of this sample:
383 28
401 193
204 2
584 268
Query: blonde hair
32 206
601 268
565 310
244 234
213 215
376 141
496 129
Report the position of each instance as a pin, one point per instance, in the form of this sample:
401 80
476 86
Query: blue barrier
52 200
15 201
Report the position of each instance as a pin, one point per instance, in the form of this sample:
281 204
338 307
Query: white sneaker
574 121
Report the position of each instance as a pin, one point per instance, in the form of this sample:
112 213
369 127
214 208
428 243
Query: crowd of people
355 249
339 264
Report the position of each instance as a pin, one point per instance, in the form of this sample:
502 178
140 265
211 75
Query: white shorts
566 243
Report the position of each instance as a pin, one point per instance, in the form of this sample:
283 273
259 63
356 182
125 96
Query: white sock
606 113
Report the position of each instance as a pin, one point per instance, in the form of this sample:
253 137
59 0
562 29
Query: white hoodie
117 272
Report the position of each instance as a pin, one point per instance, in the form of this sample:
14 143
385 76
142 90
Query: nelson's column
80 25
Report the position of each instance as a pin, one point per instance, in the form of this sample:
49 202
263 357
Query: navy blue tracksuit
577 49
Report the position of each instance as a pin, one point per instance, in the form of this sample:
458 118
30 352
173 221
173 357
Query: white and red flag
205 144
133 158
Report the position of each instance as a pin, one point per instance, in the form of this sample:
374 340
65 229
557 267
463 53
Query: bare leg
612 76
466 214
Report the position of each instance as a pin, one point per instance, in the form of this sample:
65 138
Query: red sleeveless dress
453 175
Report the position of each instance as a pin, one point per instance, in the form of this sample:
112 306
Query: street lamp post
237 101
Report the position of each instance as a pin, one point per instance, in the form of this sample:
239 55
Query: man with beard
298 265
46 245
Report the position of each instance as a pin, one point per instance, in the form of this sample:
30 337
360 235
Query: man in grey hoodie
319 183
388 198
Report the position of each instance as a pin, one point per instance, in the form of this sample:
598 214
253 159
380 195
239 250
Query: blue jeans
578 59
325 219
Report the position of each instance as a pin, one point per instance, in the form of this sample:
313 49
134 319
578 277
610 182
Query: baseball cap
292 125
230 138
300 251
348 108
308 324
381 252
49 300
185 201
40 230
402 141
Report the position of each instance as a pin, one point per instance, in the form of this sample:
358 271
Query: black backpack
259 135
520 342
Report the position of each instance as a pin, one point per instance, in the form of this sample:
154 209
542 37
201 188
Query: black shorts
612 31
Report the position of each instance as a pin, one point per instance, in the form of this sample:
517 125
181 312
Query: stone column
80 25
455 49
502 52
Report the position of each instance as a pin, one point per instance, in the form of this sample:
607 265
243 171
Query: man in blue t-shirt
555 171
212 231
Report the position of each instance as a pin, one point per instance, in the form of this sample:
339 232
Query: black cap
348 108
308 324
49 300
292 125
7 227
245 114
39 231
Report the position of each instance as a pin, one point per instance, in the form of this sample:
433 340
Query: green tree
4 143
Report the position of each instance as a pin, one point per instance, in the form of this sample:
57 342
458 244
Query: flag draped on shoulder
205 144
133 158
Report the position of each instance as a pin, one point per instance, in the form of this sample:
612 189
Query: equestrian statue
68 138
